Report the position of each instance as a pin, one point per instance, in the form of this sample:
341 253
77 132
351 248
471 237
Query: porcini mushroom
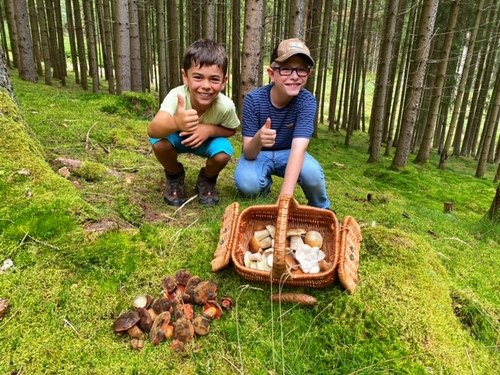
314 239
127 322
158 329
201 325
205 291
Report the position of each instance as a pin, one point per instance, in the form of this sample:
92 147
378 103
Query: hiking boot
175 193
205 186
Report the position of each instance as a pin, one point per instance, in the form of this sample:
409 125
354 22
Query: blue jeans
253 177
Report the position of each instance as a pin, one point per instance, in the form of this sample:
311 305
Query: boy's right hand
185 119
267 135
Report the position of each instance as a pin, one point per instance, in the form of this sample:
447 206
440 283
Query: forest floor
83 222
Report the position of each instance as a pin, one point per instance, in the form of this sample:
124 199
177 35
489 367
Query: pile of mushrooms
173 315
303 250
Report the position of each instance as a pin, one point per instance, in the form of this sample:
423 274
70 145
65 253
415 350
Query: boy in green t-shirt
196 118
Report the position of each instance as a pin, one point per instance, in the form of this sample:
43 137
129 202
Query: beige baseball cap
291 47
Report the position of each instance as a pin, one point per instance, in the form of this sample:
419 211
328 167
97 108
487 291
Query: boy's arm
164 123
265 137
294 166
205 131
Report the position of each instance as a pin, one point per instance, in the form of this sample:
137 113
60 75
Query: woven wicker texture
350 241
222 254
287 214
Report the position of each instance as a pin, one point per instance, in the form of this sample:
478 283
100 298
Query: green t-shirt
221 112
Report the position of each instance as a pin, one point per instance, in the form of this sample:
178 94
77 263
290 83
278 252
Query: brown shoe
175 192
205 186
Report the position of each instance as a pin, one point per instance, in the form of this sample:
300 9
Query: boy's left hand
198 137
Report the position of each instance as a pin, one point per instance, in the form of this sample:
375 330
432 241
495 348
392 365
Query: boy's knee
222 158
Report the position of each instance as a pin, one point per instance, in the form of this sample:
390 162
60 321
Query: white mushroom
272 230
261 234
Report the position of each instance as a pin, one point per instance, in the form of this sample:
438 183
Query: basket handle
285 202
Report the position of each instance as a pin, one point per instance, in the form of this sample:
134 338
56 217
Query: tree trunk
251 47
27 67
4 76
417 75
494 211
174 58
297 14
72 40
236 54
91 43
489 127
135 47
122 39
461 87
437 91
44 36
336 69
35 35
13 33
379 96
80 41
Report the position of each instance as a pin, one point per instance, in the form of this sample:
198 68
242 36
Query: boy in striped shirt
278 123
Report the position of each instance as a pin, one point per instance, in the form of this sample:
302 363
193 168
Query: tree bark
122 39
5 82
27 67
437 92
417 75
381 81
494 211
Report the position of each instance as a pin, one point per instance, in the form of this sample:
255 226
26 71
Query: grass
86 245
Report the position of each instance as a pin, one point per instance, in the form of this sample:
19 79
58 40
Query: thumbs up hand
267 135
186 119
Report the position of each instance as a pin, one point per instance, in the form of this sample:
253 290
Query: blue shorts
209 149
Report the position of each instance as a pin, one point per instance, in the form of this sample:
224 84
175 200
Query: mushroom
188 295
182 277
158 331
183 330
261 234
314 239
254 245
127 322
201 325
4 307
212 310
161 304
205 291
145 321
272 230
142 301
226 303
137 344
295 237
169 284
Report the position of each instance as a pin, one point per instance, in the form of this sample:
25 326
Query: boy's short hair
205 52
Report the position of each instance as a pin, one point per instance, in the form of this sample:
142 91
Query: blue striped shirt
296 120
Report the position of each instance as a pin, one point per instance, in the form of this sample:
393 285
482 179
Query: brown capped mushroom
4 307
169 284
314 239
212 310
226 303
137 344
183 330
254 245
188 295
126 321
158 330
161 304
201 325
145 322
295 232
272 230
182 277
205 291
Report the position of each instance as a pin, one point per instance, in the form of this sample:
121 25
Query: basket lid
350 243
222 254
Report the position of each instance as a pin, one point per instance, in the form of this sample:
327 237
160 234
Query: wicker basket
238 229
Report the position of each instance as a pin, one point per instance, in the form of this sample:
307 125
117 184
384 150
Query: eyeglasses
286 71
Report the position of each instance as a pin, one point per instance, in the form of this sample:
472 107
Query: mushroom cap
161 304
204 291
158 329
169 284
146 321
126 321
182 277
226 303
295 232
183 330
201 325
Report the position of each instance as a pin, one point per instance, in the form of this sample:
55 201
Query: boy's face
290 76
204 83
